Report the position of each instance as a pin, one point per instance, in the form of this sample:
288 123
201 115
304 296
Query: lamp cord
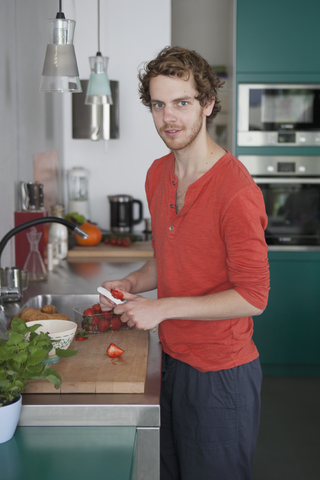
60 14
99 27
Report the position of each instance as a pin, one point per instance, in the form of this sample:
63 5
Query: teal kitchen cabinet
278 36
66 453
287 334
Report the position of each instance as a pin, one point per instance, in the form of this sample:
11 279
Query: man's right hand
122 285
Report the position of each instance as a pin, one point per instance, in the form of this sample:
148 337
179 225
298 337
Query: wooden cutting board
93 371
142 250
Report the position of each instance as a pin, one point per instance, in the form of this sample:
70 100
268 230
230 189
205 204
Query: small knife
107 294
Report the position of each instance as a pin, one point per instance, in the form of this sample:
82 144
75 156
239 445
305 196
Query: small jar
58 234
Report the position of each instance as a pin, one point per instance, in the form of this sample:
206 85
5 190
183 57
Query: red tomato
126 242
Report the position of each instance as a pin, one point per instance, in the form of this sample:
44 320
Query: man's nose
168 114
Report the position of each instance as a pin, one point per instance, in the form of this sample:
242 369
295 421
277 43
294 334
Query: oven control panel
286 139
269 166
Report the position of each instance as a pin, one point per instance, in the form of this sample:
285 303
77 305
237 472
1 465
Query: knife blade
23 196
32 204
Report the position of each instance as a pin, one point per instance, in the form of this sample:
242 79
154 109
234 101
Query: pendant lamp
60 71
98 90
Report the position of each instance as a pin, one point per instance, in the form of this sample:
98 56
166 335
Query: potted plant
22 359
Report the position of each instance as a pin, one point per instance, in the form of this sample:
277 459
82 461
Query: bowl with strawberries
93 320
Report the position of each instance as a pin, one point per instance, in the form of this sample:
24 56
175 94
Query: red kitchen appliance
22 246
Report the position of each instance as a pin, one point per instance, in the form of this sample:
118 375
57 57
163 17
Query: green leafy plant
21 360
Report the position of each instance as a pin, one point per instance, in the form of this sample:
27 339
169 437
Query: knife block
22 245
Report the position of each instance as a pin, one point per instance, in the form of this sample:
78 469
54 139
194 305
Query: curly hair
181 62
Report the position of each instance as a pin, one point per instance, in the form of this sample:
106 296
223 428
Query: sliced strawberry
117 294
103 325
116 323
114 351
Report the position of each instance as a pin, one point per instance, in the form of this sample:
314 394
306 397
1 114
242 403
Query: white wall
131 33
207 27
33 122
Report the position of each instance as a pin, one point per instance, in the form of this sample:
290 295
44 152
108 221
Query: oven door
293 209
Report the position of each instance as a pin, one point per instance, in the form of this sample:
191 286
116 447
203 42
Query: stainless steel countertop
91 409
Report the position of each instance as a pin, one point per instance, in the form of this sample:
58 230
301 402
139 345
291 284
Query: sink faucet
32 223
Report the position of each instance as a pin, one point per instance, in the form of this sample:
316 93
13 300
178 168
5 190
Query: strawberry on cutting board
114 351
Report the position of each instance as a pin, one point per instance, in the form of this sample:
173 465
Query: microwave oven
278 115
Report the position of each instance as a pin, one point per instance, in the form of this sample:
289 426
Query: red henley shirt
214 243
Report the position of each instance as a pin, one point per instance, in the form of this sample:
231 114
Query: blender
78 183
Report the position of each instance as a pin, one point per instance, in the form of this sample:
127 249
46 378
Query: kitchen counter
141 411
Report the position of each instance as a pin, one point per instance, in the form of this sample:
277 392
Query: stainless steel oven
278 114
291 191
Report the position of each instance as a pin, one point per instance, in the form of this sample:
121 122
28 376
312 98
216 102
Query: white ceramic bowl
63 331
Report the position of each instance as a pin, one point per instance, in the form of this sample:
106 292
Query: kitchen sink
64 303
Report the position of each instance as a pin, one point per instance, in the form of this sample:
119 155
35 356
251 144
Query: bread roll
48 309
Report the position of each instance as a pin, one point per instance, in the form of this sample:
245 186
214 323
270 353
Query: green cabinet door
287 334
279 36
69 453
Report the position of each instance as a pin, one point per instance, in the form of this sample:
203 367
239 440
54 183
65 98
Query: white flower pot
9 417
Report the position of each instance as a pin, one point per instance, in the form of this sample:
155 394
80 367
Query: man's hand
122 285
139 312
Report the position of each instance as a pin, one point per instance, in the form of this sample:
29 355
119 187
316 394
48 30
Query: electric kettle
122 213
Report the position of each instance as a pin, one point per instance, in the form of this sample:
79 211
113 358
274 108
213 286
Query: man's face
177 115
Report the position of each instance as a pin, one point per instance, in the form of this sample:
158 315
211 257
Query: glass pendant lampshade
98 90
60 71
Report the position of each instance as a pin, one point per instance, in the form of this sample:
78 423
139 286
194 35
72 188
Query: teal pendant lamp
98 90
60 71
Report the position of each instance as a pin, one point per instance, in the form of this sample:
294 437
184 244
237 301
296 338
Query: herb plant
21 360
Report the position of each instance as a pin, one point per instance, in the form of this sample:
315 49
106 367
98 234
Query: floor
289 438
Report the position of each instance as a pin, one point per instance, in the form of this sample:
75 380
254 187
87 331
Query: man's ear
209 107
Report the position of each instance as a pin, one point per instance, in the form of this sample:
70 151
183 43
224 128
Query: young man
211 270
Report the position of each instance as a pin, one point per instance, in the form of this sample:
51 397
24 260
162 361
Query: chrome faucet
32 223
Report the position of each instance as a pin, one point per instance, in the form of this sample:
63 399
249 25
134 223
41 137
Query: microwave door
278 115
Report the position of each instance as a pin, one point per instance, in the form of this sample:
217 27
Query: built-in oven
291 190
278 114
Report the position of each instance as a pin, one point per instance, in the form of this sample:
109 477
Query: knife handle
41 197
32 203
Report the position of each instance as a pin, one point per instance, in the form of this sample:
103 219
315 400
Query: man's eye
183 103
157 105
